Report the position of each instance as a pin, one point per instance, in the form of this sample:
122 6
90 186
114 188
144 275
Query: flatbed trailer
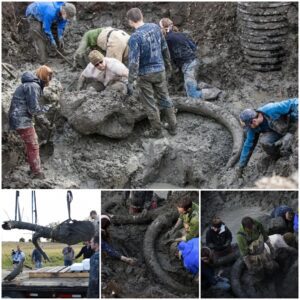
49 282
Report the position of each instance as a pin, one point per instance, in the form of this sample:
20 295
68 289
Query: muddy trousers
29 136
189 71
40 45
152 85
268 141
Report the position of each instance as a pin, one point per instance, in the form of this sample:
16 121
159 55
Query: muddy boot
210 94
156 127
39 175
172 122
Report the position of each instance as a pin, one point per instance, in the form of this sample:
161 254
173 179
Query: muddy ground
121 280
197 155
232 207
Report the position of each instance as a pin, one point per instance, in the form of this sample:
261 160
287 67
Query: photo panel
50 243
150 244
249 244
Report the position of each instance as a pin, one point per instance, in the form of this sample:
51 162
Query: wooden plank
66 269
45 269
59 275
56 269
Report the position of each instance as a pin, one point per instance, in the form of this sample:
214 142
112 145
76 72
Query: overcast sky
51 207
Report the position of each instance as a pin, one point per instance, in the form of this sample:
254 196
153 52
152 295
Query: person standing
93 288
18 256
149 59
36 257
24 107
69 254
183 54
86 251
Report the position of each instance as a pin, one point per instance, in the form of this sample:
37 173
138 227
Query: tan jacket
116 45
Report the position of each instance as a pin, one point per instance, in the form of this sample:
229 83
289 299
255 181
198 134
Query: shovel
56 50
47 142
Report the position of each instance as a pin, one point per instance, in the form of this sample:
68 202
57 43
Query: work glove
239 172
61 43
129 260
129 89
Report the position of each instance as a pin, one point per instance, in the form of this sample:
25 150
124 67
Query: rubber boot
171 118
156 127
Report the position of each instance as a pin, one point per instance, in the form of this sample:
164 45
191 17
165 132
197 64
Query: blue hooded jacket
190 255
272 112
25 102
48 13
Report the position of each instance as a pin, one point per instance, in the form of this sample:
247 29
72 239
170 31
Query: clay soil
197 155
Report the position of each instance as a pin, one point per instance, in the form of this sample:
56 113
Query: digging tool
8 71
47 141
56 50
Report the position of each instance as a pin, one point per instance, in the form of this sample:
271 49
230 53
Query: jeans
38 264
67 262
190 83
28 135
222 283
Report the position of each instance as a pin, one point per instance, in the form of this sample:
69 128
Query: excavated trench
157 273
232 207
198 156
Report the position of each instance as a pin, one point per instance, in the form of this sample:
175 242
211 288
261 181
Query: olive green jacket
244 239
192 220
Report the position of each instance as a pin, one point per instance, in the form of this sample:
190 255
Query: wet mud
198 155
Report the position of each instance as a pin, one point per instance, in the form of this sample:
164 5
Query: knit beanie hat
70 10
96 57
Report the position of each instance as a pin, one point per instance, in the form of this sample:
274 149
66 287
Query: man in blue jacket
277 121
148 56
286 213
42 16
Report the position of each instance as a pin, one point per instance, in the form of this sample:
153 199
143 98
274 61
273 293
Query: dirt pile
196 157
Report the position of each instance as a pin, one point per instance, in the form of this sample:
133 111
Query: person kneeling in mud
218 238
208 277
189 218
277 122
251 239
24 108
106 247
104 72
287 214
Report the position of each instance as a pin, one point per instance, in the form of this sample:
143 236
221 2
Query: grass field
53 250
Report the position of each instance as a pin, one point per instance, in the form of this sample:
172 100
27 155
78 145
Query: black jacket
182 48
218 241
87 252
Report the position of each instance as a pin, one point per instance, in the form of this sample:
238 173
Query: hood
29 77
